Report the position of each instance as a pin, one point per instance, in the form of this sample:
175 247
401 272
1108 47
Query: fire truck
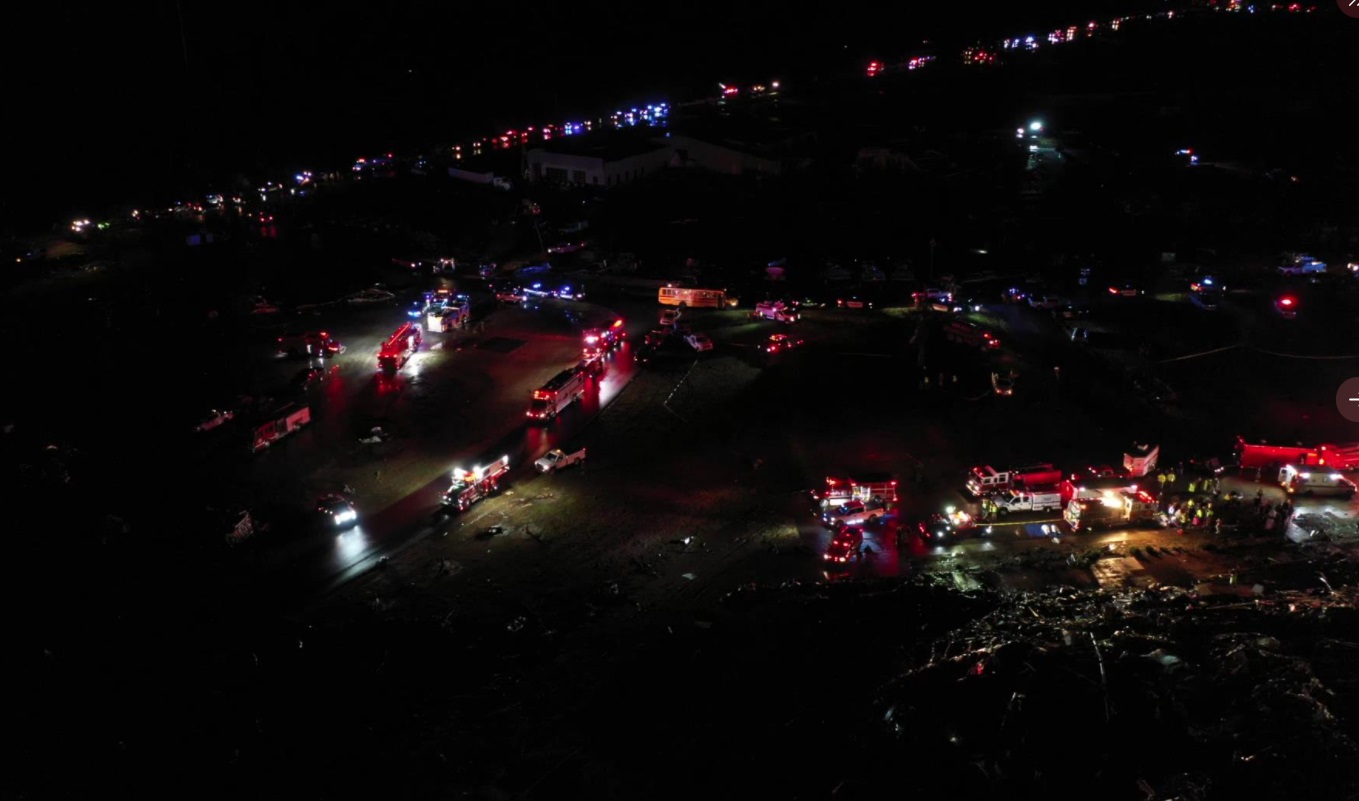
564 389
399 347
1111 509
968 333
1256 455
281 422
1084 488
598 341
983 481
470 486
867 487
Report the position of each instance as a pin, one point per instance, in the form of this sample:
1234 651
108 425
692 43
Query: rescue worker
1170 479
1193 486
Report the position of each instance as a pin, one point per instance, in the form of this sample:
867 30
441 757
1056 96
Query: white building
597 160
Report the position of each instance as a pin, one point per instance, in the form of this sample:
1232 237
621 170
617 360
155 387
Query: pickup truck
1016 501
855 513
557 458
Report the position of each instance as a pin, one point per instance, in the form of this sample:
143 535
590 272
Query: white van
1298 482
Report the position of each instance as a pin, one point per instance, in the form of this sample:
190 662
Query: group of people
1200 503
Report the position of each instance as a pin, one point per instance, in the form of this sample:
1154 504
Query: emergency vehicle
399 347
695 298
876 487
564 389
281 422
1261 454
986 480
448 314
598 341
470 486
1309 483
1094 487
968 333
1111 509
312 343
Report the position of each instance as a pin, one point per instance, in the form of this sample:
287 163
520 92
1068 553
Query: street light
1035 126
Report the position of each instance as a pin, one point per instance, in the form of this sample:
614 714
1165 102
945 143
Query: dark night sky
108 109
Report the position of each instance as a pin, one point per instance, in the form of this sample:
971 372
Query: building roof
606 145
745 135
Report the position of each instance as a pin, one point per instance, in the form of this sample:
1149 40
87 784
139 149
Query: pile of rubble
1154 694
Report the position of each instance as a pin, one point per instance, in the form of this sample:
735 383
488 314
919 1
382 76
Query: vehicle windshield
538 405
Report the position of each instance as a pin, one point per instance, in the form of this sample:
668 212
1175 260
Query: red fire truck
866 487
984 480
278 424
599 341
399 347
564 389
470 486
1253 455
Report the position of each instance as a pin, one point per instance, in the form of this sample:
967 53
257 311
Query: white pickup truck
557 458
1017 501
855 513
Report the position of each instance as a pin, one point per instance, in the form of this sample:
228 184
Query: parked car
336 511
699 342
1041 301
1207 300
670 317
214 418
1071 310
959 305
853 302
643 354
1300 264
1002 385
510 295
844 545
930 295
1126 289
778 343
656 338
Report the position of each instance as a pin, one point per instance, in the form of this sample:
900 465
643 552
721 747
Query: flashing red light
1113 290
617 324
1286 301
539 394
